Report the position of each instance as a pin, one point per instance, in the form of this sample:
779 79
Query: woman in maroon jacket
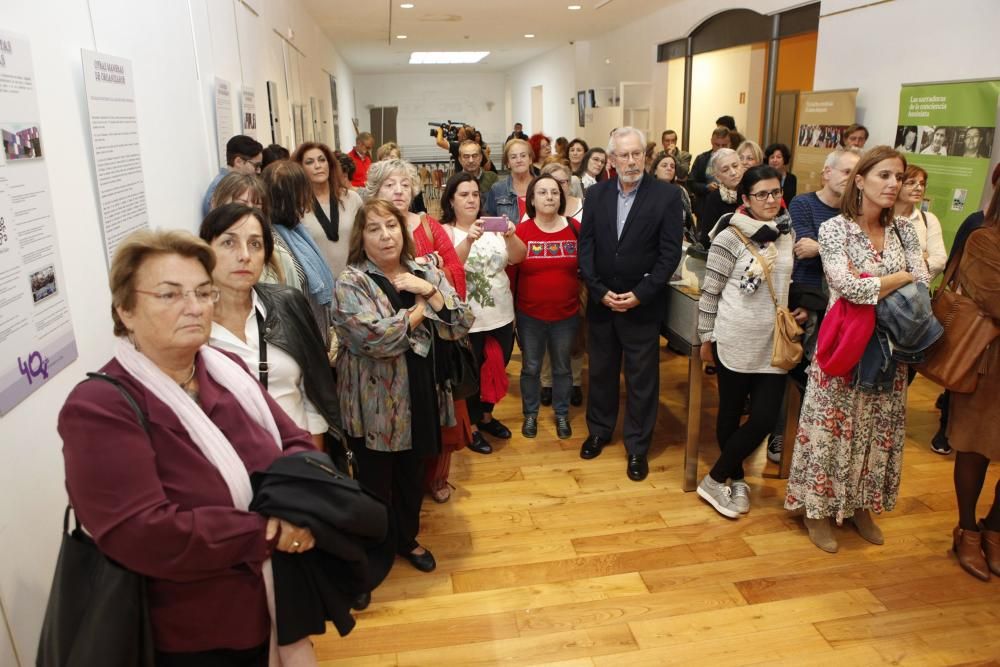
169 501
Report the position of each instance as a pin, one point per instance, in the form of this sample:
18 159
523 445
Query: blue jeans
534 337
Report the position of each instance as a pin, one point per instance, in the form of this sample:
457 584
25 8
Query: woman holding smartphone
486 248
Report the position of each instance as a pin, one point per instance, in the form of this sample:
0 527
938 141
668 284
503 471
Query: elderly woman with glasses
909 206
165 492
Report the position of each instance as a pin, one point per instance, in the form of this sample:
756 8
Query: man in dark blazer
630 244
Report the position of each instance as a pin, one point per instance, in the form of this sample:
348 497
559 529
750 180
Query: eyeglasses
763 195
174 297
914 185
635 155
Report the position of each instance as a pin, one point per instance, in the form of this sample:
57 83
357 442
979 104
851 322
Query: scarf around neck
728 196
331 224
319 279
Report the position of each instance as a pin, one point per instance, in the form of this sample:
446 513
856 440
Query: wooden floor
544 558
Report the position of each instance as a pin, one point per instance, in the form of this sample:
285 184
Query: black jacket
644 259
289 325
354 544
698 178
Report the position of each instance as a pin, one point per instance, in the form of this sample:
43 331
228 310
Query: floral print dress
849 447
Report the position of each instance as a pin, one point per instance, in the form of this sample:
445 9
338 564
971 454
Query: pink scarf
217 449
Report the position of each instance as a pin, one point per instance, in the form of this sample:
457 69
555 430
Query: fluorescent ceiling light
573 7
400 36
446 57
529 36
407 5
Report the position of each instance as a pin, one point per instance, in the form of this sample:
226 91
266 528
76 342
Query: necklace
193 393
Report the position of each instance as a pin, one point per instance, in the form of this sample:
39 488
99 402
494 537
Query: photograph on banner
822 118
948 129
36 330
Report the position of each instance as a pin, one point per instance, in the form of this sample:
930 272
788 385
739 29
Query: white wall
854 50
478 99
554 72
177 49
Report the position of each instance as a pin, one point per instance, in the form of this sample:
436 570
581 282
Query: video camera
450 129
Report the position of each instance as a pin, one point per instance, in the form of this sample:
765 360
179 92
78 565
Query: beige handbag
787 350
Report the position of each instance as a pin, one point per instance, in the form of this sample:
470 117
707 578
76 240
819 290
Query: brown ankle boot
991 547
967 545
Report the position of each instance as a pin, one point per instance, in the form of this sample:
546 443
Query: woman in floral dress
486 256
849 447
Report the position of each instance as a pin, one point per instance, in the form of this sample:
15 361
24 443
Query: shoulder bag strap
760 260
262 367
124 392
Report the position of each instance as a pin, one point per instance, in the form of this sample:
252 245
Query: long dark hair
447 208
586 161
289 194
850 204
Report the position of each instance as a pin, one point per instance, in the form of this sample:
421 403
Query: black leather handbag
463 371
97 613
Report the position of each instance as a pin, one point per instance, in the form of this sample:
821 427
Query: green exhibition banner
948 129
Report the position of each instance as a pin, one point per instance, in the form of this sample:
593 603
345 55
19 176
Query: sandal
442 493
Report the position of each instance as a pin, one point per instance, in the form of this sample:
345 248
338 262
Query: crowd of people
380 336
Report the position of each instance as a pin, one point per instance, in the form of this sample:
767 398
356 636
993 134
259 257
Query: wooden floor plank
544 558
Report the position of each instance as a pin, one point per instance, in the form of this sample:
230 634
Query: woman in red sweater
546 301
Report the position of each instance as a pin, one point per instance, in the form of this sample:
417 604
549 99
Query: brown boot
991 547
967 545
821 534
862 520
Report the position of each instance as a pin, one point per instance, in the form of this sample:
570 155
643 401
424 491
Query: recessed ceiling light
446 57
400 36
529 36
407 5
573 8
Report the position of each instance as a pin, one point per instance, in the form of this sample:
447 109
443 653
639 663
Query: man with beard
630 243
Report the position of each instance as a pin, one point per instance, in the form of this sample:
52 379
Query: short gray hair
834 157
720 154
620 132
379 171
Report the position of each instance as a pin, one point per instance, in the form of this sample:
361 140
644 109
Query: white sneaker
740 492
719 496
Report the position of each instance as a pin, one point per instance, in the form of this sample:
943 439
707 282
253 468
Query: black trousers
608 343
398 479
766 392
505 337
252 657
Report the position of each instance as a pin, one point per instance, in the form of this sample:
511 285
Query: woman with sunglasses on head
749 267
665 169
592 167
908 205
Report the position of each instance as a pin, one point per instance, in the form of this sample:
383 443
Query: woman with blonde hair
506 197
750 154
388 151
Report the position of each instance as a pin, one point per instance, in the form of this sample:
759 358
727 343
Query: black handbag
463 371
97 613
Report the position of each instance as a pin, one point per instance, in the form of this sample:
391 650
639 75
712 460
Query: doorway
537 112
383 124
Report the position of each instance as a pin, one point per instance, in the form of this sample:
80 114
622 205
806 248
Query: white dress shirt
284 377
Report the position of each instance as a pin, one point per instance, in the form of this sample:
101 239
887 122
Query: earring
860 197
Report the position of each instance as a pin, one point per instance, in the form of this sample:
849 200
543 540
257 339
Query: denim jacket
502 200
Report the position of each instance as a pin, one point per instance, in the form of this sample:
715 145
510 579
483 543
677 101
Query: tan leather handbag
955 360
787 351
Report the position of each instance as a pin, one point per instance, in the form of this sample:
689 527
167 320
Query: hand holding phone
495 224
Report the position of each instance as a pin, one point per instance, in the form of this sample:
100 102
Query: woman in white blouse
270 327
928 227
334 206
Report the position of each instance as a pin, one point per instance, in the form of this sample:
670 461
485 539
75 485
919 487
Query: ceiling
364 31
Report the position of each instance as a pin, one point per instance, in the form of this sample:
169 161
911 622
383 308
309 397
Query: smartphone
495 224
